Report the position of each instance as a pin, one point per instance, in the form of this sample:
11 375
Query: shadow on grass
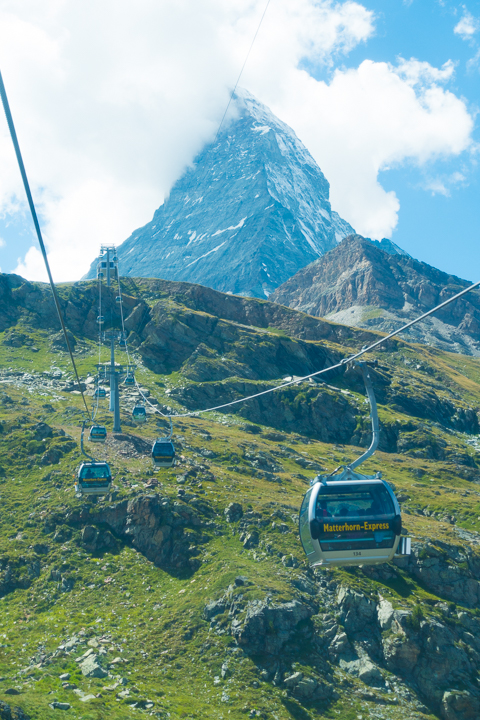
295 709
393 580
400 586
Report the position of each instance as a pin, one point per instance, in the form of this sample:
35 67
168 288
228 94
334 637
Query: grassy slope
150 618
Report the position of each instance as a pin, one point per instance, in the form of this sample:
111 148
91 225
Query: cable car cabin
129 380
351 520
98 433
93 478
139 413
163 453
102 269
100 392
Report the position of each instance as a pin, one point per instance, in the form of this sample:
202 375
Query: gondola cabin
103 268
139 413
98 433
100 392
351 519
93 478
163 453
129 380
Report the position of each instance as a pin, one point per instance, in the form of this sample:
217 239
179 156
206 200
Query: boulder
355 607
308 688
293 680
51 457
460 705
250 540
385 614
98 540
234 512
213 608
91 668
42 431
340 644
369 673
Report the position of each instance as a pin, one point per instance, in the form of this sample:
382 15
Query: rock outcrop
167 533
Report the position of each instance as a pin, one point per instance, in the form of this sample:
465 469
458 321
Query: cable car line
240 73
97 393
33 212
163 449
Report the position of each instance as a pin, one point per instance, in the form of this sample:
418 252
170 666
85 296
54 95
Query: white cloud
369 119
443 184
467 26
2 242
113 100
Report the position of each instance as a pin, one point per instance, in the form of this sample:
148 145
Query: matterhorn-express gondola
163 453
93 478
98 433
351 519
139 413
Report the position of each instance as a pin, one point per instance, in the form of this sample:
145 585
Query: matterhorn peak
248 214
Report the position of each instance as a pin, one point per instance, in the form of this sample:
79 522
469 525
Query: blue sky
384 93
440 229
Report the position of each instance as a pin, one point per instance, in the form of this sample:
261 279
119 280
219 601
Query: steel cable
343 362
33 212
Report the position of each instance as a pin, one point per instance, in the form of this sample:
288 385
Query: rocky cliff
364 284
252 210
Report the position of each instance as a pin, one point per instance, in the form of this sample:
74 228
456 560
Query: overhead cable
232 94
95 408
26 185
340 364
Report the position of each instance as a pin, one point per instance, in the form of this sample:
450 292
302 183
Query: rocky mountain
185 593
369 284
252 210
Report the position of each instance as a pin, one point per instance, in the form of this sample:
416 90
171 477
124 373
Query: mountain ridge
358 283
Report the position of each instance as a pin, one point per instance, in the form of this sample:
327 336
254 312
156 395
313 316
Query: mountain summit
252 210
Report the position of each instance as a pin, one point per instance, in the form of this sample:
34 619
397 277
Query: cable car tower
107 270
107 264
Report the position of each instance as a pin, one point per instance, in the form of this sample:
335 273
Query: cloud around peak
112 102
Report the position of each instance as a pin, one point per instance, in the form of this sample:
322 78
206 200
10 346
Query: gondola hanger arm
373 415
